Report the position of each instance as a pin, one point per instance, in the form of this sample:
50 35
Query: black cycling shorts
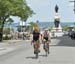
46 38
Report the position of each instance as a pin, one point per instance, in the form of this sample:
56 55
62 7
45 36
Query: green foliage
6 31
74 27
33 24
9 21
19 28
50 28
13 8
65 28
6 37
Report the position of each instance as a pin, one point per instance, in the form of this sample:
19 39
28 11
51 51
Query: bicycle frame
36 48
46 47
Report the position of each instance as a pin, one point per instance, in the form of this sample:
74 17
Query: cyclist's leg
48 47
36 47
45 44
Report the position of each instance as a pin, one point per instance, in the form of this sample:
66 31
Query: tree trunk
1 31
0 36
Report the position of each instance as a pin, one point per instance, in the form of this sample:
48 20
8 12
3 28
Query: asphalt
62 51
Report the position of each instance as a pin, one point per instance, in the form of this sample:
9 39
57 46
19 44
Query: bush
65 28
6 30
6 37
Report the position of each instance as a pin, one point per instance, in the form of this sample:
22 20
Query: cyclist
46 37
35 41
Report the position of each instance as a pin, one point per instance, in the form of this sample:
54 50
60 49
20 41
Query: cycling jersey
36 36
46 36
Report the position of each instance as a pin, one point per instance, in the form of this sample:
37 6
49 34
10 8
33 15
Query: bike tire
46 49
36 55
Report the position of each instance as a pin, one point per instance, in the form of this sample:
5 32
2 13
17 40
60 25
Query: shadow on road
43 55
65 41
31 57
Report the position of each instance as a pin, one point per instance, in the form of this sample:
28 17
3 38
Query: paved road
62 51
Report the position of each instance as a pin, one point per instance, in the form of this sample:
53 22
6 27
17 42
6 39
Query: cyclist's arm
31 38
40 38
49 37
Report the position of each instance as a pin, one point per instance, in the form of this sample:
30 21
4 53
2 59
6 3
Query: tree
13 8
33 24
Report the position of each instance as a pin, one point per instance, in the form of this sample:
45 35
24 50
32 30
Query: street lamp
25 24
24 29
74 5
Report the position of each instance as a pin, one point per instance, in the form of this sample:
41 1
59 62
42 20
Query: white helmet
46 29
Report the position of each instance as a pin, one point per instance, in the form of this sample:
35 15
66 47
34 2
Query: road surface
62 51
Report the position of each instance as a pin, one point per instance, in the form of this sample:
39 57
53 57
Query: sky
45 10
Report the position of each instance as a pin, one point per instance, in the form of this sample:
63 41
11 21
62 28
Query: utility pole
74 5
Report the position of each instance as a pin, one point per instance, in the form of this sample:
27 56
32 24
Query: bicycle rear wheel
36 55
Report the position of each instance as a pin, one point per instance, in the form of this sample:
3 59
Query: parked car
72 34
69 33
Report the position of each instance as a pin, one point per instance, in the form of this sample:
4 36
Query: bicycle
36 46
46 46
